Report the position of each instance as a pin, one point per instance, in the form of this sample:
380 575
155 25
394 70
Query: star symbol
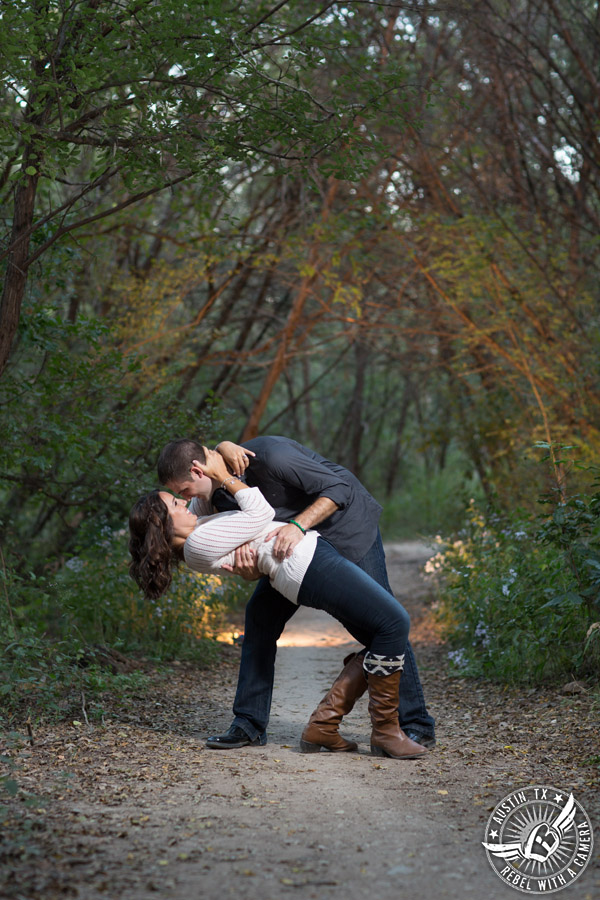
558 798
493 834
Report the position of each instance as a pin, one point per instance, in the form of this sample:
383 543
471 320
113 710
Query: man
307 491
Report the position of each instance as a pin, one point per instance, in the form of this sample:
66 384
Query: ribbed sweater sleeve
218 535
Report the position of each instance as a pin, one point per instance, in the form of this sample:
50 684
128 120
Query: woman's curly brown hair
150 536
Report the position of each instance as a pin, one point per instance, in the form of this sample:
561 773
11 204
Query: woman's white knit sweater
212 543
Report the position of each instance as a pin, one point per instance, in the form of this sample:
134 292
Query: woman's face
184 521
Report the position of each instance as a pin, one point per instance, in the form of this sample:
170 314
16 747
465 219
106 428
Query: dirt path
140 807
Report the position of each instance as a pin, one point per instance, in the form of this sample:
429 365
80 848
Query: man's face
195 485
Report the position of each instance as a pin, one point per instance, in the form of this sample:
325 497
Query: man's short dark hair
175 460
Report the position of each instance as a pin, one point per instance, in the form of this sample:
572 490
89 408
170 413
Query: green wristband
298 525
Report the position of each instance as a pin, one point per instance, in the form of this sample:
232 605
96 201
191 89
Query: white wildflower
458 658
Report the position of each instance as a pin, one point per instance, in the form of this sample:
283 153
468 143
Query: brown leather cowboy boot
322 728
387 738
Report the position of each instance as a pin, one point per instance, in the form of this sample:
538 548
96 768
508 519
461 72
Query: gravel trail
140 808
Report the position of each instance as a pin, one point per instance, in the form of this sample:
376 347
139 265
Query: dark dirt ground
139 807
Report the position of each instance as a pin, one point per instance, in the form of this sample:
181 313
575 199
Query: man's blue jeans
267 613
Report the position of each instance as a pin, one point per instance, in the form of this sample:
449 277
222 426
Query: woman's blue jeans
267 613
372 616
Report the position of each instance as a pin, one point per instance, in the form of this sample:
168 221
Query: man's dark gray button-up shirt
291 477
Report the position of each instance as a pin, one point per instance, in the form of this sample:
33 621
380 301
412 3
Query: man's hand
287 538
245 563
236 457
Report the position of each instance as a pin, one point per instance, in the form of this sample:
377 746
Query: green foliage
51 678
102 602
508 388
520 597
429 501
81 436
153 93
55 629
80 445
573 533
53 644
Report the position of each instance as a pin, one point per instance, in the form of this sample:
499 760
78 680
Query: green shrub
430 502
83 430
51 628
103 604
81 435
520 597
54 679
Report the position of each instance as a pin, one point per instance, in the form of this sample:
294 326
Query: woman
164 532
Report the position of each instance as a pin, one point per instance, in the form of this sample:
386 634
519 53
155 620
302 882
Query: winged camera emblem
543 840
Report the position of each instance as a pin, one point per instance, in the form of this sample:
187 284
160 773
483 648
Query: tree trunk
396 452
358 419
294 319
280 361
15 280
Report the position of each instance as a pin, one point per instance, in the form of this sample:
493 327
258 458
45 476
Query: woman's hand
236 457
215 467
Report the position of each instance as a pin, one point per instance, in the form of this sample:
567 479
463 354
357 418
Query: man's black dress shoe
426 740
234 739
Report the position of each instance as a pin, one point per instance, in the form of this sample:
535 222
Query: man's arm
289 464
290 535
304 471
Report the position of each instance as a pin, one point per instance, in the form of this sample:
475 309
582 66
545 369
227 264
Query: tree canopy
107 97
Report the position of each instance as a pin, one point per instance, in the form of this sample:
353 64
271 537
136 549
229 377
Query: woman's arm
218 535
216 469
